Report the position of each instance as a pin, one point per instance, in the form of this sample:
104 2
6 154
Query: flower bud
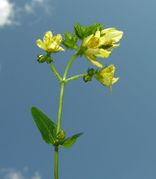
44 58
61 135
91 71
41 58
87 78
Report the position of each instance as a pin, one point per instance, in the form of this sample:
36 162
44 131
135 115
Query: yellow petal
97 34
58 38
116 36
104 31
112 34
47 37
86 40
101 53
106 76
93 60
115 80
40 44
61 49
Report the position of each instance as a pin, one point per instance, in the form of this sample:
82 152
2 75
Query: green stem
56 152
74 77
56 163
62 85
55 72
69 65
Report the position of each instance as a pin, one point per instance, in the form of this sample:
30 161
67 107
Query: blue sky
119 128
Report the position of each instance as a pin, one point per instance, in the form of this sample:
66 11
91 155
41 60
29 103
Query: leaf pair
48 128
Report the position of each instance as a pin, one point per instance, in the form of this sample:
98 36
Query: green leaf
70 141
92 29
79 31
70 41
46 127
83 32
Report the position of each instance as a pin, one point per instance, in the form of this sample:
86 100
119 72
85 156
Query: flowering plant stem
62 81
95 41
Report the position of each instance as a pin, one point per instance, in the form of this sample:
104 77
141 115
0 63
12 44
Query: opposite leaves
48 128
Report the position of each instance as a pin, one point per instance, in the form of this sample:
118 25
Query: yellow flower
101 44
106 76
50 43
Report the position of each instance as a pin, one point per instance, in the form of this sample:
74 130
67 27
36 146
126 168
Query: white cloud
10 12
7 13
36 176
15 174
31 6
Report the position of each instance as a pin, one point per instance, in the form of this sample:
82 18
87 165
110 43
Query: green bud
41 58
87 78
44 58
61 135
91 71
56 142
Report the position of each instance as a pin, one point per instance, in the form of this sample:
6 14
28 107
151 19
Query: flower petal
40 44
47 37
86 40
101 53
93 60
112 34
58 38
97 34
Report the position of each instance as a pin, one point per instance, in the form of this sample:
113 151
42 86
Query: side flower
100 44
50 43
106 76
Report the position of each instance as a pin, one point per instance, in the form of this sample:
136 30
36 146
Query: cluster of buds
96 42
90 73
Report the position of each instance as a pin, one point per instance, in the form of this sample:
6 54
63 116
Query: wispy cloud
15 174
30 7
10 12
7 13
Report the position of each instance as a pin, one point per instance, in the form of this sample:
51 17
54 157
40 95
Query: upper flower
100 44
106 76
50 43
